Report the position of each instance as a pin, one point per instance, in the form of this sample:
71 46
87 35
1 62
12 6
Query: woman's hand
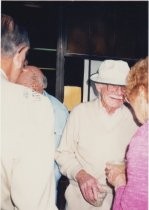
115 175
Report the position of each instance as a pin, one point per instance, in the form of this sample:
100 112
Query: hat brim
95 78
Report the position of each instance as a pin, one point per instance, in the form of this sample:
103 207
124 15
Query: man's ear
19 57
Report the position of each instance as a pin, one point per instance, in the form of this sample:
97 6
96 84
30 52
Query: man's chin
116 103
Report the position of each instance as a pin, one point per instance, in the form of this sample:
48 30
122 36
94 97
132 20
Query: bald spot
32 77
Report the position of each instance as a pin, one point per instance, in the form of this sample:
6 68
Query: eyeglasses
116 88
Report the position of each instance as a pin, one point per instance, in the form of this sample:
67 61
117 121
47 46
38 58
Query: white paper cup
118 164
100 198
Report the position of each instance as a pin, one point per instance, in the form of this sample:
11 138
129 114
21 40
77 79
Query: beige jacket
92 137
27 149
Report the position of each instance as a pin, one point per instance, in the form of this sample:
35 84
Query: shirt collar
3 74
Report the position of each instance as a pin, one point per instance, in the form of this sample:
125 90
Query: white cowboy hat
111 72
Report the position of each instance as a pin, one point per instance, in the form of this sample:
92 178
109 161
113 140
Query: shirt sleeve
65 154
134 194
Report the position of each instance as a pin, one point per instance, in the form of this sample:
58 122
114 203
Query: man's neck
6 66
109 110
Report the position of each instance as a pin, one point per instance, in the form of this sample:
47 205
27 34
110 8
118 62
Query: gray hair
41 80
12 36
45 82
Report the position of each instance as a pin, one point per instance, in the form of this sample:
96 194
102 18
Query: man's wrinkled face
112 96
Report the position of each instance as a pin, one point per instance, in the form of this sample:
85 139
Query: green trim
45 49
50 69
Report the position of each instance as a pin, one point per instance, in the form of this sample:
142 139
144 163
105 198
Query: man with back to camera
96 132
32 77
27 131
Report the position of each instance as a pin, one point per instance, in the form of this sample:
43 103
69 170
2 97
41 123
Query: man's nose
119 90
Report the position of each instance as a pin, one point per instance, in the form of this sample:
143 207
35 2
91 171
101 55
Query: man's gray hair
45 82
12 36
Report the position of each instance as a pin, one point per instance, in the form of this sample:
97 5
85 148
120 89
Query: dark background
88 29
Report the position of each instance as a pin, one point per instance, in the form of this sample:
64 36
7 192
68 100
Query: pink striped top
134 196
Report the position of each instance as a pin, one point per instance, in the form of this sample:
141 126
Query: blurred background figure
27 131
33 78
133 193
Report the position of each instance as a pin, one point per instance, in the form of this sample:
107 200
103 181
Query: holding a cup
115 172
100 197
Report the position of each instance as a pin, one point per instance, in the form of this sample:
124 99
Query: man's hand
89 186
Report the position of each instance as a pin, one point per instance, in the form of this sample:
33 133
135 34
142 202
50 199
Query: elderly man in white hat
96 132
